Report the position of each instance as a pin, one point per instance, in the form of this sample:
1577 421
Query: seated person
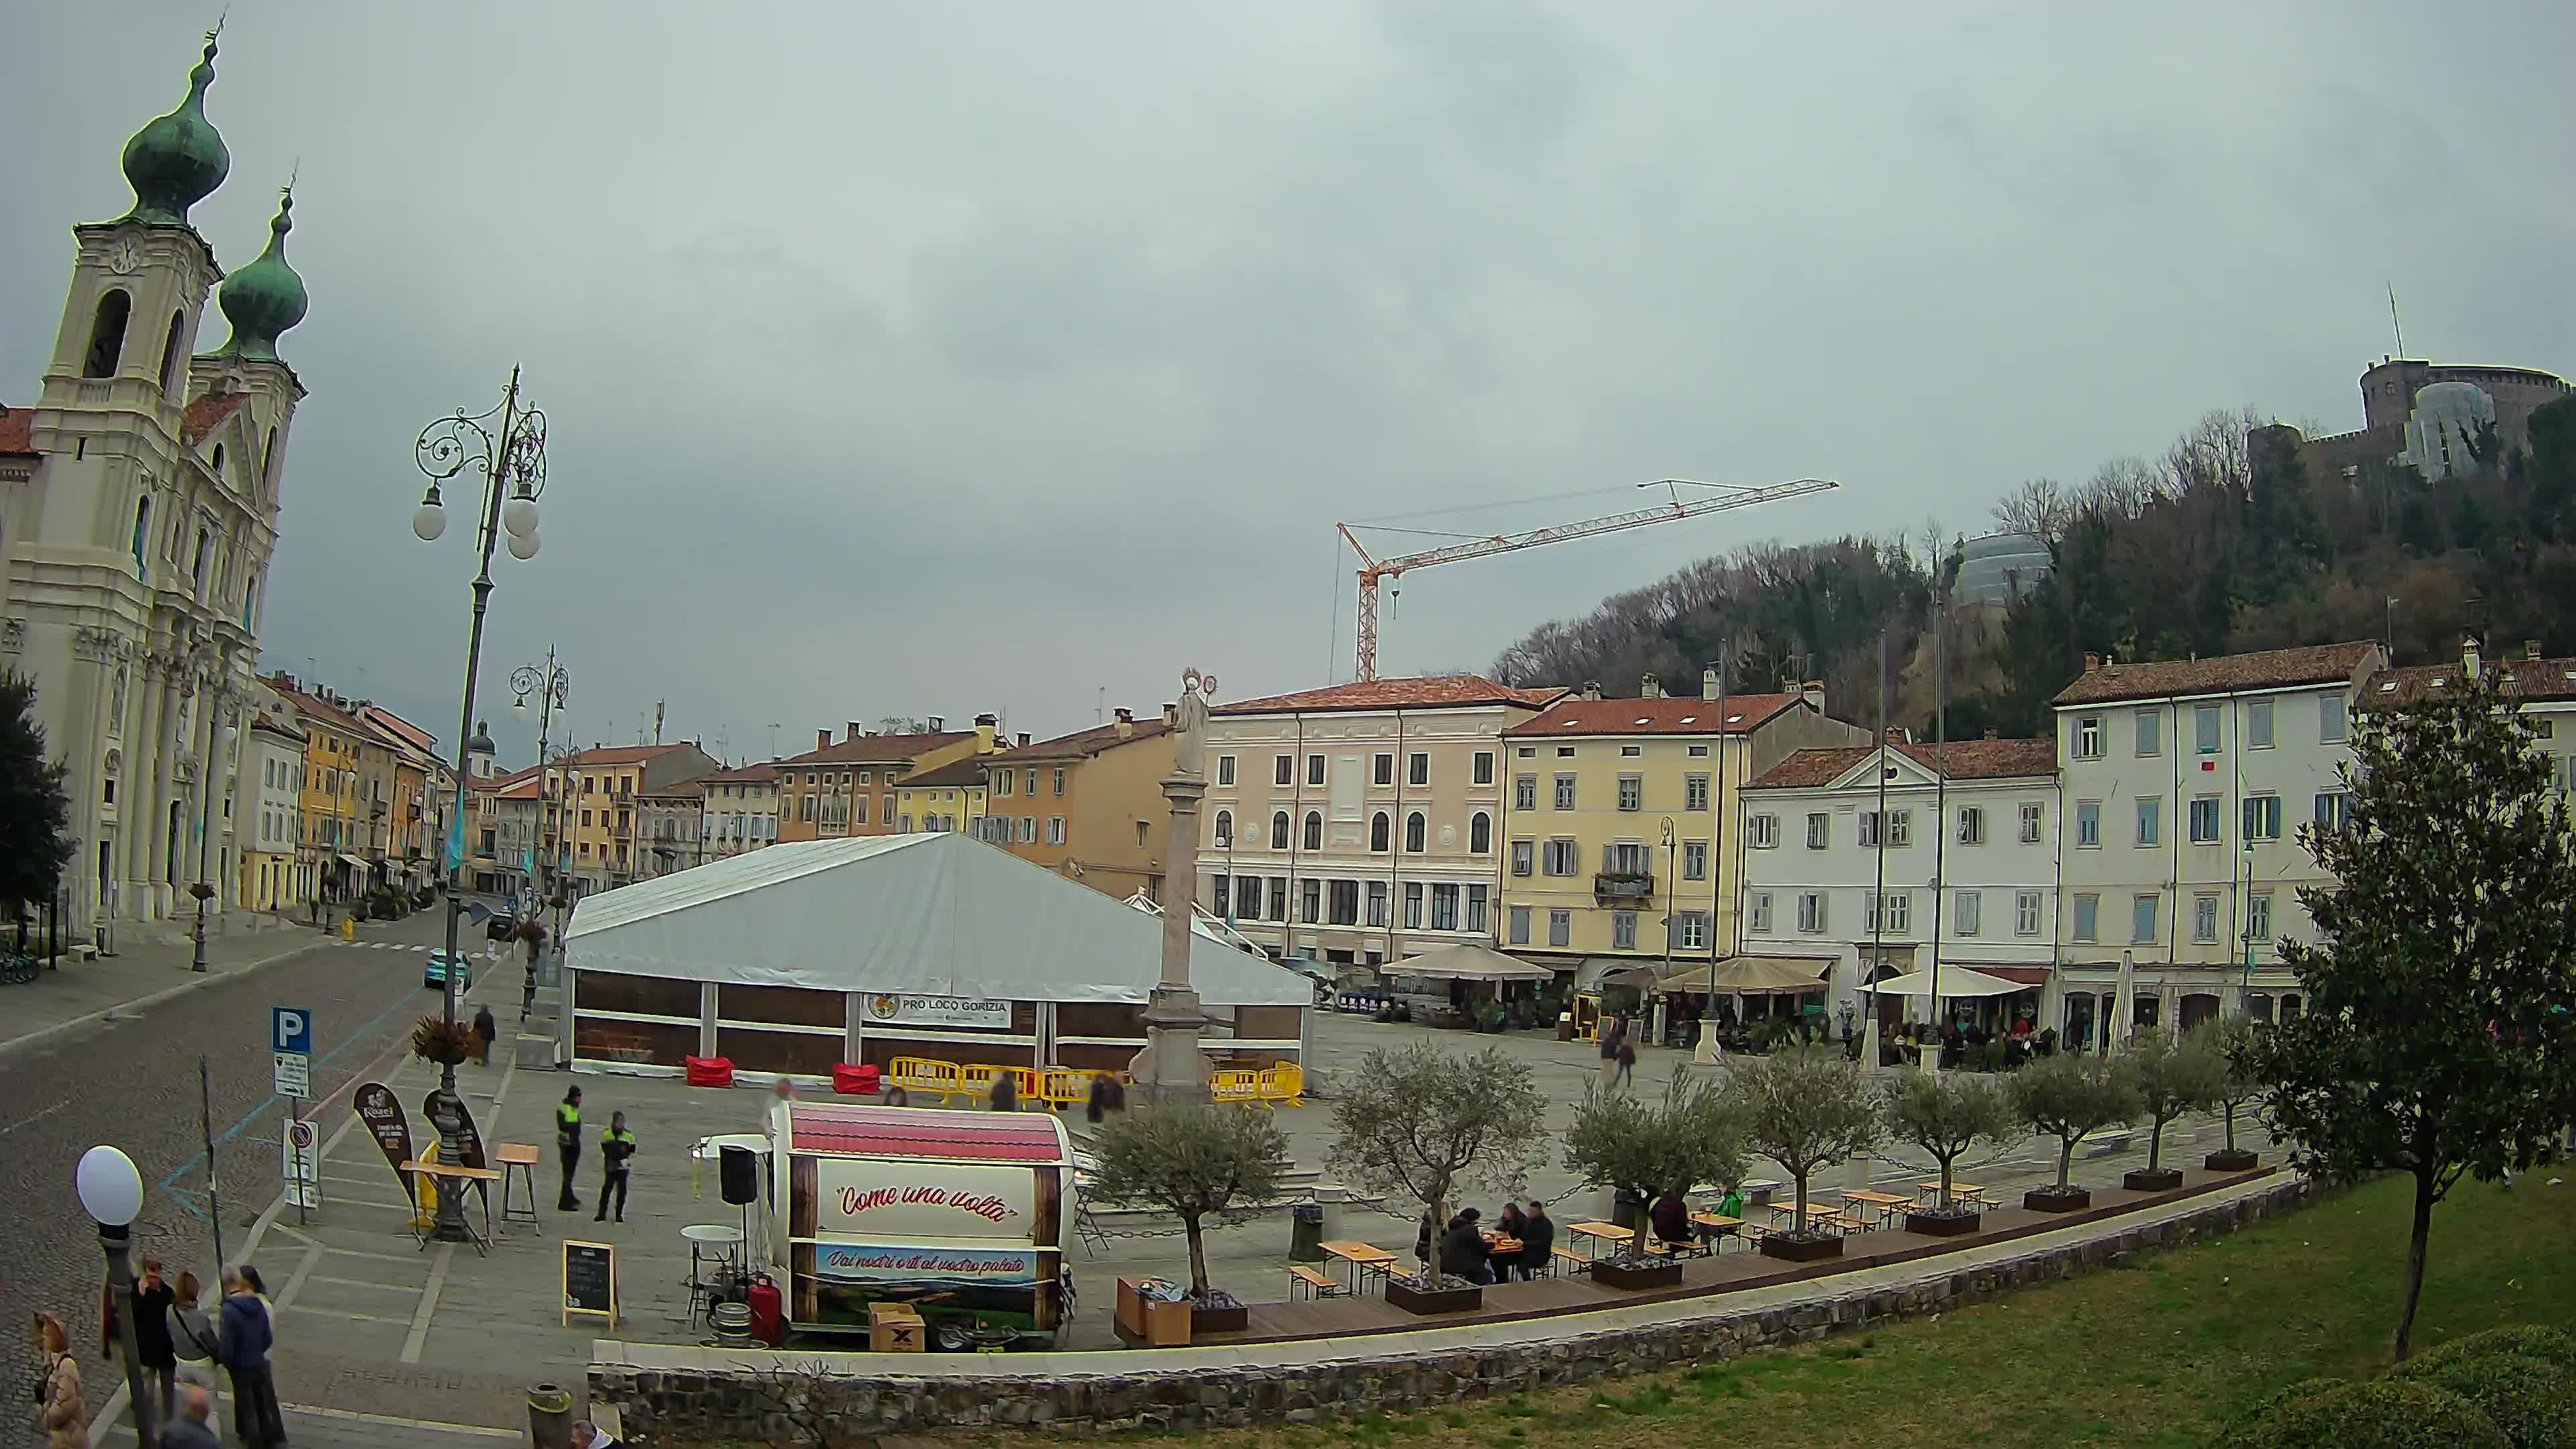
1509 1222
1538 1239
1670 1217
1462 1249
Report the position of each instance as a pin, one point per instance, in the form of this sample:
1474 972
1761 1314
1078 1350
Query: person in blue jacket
247 1334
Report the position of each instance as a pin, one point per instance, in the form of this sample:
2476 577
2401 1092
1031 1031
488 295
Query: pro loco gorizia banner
984 1012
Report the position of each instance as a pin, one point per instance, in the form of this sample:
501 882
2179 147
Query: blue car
433 973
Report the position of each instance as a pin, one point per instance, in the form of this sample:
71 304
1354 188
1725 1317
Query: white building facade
272 816
740 812
1960 866
1310 840
138 515
2185 784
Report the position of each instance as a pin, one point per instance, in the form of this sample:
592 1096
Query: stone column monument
1170 1068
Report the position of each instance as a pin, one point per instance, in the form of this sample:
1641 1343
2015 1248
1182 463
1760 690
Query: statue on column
1189 733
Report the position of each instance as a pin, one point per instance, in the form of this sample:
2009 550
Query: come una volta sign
939 1011
879 1199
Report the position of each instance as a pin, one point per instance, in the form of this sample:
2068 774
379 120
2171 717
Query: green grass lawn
2163 1351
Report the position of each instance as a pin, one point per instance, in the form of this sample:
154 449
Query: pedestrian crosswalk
488 953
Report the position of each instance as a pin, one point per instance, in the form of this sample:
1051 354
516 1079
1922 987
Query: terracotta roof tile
2550 679
18 431
1663 716
1438 691
759 774
207 413
1081 744
619 755
877 749
966 772
686 789
1962 759
2267 669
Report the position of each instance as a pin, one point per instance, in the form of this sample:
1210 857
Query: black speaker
739 1174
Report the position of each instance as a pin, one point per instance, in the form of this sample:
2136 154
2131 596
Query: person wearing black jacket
150 1302
616 1145
1462 1250
1670 1218
1538 1239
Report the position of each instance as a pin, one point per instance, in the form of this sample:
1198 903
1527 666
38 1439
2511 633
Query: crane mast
1374 571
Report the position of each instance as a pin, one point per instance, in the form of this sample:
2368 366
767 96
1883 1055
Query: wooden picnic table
1364 1258
1932 1189
1597 1233
1886 1203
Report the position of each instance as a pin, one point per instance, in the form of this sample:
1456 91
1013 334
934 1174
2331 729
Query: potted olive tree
2070 1098
1643 1149
1806 1109
1947 1115
1419 1122
2234 1043
2173 1075
1195 1163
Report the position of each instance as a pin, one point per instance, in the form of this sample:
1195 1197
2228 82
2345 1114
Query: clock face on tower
125 256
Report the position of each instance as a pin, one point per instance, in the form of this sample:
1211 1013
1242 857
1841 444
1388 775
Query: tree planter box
1613 1273
1449 1298
1229 1315
2050 1200
2161 1179
2231 1160
1939 1224
1801 1250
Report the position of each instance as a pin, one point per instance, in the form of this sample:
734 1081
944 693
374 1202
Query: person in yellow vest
616 1145
568 1147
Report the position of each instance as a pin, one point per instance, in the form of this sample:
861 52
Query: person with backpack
194 1345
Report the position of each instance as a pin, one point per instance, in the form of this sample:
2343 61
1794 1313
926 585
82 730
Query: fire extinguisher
768 1312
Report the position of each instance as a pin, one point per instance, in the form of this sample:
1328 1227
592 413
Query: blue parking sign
290 1029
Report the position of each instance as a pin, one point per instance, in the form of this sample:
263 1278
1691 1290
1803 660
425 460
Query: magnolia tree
1947 1115
2437 1039
2070 1098
1421 1121
1646 1149
1806 1109
2172 1075
2236 1044
1195 1163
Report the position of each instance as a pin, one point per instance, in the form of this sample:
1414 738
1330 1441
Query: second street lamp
507 445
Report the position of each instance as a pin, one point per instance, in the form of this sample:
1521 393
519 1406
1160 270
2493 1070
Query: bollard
549 1417
1306 1232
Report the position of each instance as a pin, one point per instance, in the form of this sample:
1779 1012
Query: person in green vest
568 1147
616 1145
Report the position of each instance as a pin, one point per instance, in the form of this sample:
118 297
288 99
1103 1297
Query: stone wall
729 1397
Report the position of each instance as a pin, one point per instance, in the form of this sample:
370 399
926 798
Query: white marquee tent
925 914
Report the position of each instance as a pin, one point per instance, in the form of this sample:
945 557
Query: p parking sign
290 1029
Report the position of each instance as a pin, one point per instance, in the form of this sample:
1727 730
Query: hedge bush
2524 1397
2369 1414
2528 1340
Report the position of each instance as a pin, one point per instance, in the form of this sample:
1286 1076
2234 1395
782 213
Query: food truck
958 1214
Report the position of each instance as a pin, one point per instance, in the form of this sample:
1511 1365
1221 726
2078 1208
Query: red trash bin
855 1079
710 1071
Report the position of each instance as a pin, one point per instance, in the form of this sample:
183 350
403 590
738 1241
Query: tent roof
1752 973
1955 981
927 914
1468 961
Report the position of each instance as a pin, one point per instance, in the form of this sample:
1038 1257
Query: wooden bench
1560 1253
1315 1282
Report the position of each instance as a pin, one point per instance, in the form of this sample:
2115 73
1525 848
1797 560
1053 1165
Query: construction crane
1374 570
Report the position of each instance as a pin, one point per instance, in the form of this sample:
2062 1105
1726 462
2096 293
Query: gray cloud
930 361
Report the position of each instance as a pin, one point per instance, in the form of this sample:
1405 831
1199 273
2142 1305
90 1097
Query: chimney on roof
1708 685
2469 656
1592 689
938 724
1813 692
851 730
1990 733
2092 663
2531 649
985 726
1126 723
1650 687
823 738
1022 738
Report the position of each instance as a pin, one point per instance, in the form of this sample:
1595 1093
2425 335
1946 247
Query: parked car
436 965
498 928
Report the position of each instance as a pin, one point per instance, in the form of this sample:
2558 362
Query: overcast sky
936 359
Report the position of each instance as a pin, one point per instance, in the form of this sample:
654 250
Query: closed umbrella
2123 1008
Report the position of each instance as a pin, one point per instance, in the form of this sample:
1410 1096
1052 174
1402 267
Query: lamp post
219 737
111 1192
512 461
552 687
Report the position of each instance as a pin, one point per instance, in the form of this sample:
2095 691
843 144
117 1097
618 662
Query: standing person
1627 1073
568 1147
193 1340
60 1410
1610 1033
1538 1239
1006 1092
150 1304
616 1145
247 1336
485 1029
193 1426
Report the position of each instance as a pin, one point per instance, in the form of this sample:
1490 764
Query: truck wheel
952 1335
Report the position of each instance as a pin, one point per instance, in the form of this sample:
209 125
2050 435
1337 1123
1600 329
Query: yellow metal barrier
1064 1086
921 1074
1285 1083
975 1083
1236 1084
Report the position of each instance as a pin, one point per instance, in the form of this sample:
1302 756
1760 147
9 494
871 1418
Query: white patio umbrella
2124 1008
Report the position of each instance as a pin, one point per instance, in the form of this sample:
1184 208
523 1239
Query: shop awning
1467 961
1739 975
1955 981
354 862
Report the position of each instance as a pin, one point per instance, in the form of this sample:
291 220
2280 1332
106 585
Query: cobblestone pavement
133 1082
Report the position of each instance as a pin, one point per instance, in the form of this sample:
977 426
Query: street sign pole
206 1126
290 1040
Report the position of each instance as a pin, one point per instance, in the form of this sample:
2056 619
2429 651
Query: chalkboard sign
589 1281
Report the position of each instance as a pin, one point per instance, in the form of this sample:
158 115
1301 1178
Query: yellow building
329 844
1088 805
838 790
1617 816
946 797
590 807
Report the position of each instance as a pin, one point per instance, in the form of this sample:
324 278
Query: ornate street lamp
507 445
111 1192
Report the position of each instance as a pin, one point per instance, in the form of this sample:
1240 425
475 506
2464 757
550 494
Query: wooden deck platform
1731 1271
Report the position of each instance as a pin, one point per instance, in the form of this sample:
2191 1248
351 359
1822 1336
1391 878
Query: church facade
138 520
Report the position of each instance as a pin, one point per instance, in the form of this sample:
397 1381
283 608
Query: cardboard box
894 1328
